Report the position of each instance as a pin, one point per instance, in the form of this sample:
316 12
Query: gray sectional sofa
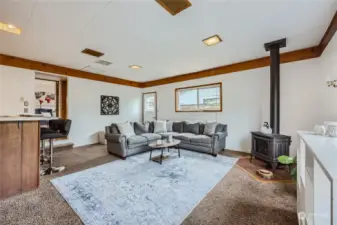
192 138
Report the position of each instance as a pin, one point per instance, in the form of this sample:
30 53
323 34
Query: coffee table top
164 144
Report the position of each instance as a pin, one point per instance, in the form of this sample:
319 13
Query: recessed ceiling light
212 40
135 67
9 28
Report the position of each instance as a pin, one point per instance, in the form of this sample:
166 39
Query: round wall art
109 105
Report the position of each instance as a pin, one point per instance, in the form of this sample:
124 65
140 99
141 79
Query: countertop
324 149
24 118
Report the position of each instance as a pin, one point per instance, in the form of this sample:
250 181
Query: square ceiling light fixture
135 67
212 40
10 28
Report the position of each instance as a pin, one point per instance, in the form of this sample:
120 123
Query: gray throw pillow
210 128
126 129
114 129
140 128
191 128
169 126
159 126
178 127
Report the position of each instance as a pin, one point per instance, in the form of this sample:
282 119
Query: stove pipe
274 48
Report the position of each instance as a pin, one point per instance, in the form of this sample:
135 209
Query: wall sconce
332 83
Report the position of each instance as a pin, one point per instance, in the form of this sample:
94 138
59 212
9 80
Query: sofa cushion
178 127
137 139
166 134
201 139
151 136
184 136
191 128
140 128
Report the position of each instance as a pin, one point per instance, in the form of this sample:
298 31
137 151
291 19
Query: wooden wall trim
50 68
287 57
330 32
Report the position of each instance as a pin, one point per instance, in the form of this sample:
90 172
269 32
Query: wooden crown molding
330 32
49 68
298 55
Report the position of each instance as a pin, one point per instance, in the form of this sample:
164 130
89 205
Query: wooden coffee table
162 146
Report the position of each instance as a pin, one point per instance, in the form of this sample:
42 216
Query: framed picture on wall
109 105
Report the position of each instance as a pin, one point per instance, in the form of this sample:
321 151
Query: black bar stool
57 129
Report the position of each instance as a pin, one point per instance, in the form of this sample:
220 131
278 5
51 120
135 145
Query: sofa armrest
220 135
117 138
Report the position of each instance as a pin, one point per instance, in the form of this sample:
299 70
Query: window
203 98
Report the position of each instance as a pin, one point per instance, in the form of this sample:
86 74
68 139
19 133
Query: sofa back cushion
140 128
178 127
191 128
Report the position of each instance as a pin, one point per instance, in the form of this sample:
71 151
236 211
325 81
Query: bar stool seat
57 129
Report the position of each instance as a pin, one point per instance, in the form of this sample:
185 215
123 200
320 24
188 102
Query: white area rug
138 191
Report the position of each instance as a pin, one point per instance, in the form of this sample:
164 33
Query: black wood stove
268 147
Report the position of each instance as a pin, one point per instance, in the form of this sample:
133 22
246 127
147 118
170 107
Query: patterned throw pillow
210 128
126 129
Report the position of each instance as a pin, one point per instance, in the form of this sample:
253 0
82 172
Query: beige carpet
236 200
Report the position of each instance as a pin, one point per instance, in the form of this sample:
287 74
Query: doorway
149 106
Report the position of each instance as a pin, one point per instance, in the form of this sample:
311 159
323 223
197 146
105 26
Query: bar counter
19 154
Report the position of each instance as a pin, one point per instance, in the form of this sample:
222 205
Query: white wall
329 72
246 101
83 102
15 84
84 108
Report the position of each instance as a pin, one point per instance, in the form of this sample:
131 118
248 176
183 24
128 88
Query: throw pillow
169 126
125 129
159 126
210 128
191 128
114 128
140 128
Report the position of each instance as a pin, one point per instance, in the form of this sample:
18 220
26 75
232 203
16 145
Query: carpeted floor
237 199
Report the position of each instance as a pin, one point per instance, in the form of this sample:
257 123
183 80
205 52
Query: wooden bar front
19 157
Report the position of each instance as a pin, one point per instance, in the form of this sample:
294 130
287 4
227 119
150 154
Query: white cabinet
316 179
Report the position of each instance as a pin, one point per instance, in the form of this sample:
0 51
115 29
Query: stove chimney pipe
274 48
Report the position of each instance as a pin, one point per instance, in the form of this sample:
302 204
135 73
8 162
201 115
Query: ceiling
141 32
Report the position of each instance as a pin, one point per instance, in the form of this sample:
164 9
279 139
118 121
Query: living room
154 50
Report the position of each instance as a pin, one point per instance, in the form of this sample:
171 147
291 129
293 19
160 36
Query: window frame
197 87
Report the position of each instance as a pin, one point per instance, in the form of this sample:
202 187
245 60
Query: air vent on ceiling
174 6
92 69
92 52
103 62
